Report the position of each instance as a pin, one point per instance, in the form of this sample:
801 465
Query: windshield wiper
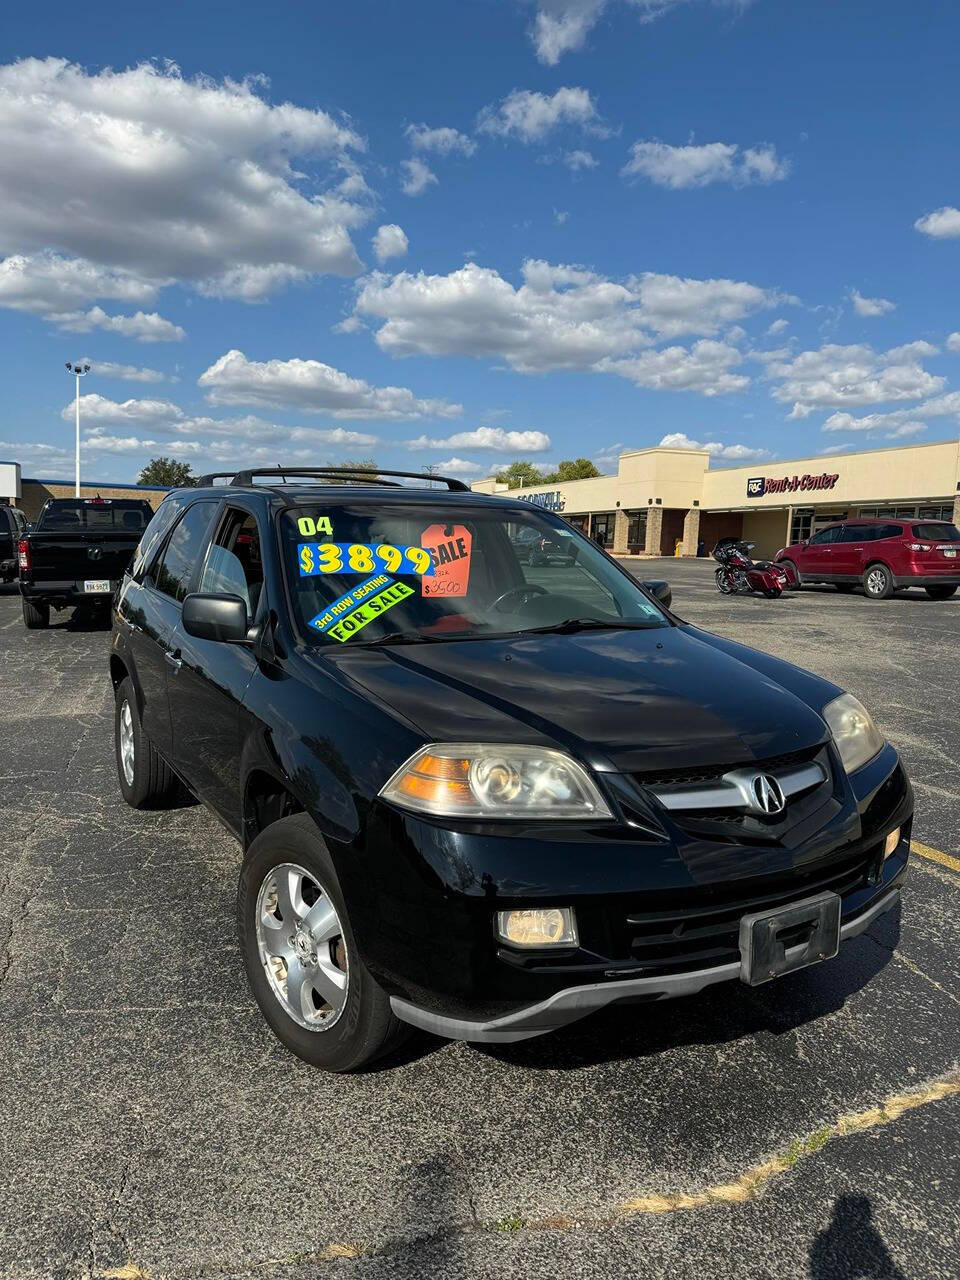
588 624
406 637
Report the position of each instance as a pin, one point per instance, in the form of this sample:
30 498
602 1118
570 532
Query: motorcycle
739 575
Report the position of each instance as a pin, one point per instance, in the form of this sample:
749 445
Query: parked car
471 801
537 547
880 555
77 553
13 523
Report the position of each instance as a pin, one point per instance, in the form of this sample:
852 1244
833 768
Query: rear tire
943 592
357 1024
35 616
878 582
793 573
146 780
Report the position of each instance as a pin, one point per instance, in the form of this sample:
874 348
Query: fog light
891 842
540 927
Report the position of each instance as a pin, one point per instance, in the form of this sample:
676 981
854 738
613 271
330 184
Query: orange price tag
449 546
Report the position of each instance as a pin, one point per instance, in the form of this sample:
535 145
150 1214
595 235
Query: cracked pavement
152 1123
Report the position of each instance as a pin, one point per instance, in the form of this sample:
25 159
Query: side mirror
805 542
661 591
210 617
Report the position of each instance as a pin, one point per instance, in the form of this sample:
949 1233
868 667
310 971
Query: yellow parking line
935 855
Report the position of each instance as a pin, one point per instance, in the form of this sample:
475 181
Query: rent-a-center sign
760 486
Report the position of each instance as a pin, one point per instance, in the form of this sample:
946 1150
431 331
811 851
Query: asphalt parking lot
153 1126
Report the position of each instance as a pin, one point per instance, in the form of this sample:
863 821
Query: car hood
621 700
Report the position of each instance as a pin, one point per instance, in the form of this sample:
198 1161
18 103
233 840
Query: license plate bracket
96 586
773 943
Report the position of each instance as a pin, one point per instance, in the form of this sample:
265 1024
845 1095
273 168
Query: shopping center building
665 501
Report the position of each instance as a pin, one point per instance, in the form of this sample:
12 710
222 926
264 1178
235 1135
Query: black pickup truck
13 524
78 553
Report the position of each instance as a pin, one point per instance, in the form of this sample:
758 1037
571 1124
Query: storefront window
601 528
801 524
636 532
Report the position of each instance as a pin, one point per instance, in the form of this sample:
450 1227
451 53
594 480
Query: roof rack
358 473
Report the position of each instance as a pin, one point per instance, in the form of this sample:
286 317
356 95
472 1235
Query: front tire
723 583
146 780
878 582
35 616
941 591
301 958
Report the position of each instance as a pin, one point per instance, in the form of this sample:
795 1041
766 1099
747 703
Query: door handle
174 659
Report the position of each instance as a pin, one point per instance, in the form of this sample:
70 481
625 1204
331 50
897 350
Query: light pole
78 370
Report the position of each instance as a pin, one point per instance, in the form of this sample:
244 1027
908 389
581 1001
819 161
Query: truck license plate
96 586
777 942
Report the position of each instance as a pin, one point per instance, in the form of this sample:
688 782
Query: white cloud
674 306
444 141
562 26
945 406
728 452
390 242
560 216
142 325
35 453
579 159
953 342
870 306
705 368
942 223
778 326
908 429
698 166
459 467
529 116
494 439
417 177
47 282
560 317
314 387
144 173
129 372
839 376
128 413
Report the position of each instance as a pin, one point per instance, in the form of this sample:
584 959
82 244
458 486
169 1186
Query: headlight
858 739
475 780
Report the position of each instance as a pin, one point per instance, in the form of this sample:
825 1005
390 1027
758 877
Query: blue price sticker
362 557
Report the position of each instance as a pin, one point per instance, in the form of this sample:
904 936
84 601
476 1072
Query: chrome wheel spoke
289 892
321 921
275 938
298 985
126 743
330 983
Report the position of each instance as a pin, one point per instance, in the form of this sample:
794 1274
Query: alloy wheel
876 582
126 743
302 948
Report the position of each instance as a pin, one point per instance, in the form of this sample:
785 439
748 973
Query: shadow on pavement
851 1248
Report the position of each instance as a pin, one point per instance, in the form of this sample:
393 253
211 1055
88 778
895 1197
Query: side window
890 531
234 565
154 534
825 536
175 570
855 533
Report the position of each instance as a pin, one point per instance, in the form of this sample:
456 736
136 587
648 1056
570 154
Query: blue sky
463 233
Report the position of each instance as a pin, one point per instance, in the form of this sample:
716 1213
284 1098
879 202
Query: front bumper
574 1003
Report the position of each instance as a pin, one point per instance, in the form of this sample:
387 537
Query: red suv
881 555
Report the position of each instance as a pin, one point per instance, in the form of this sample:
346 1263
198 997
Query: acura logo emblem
94 553
767 795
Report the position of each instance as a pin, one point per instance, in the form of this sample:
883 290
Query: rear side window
937 532
175 570
154 534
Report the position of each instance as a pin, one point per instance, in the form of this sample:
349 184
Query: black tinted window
889 531
155 532
96 513
937 532
825 535
856 533
174 573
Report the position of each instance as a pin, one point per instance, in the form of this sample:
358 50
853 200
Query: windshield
96 513
362 573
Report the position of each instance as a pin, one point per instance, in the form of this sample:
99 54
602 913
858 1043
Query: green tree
519 474
360 464
168 472
578 469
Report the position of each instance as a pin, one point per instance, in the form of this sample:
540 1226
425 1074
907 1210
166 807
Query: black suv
476 796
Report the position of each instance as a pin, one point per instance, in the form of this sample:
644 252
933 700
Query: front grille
714 772
707 933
